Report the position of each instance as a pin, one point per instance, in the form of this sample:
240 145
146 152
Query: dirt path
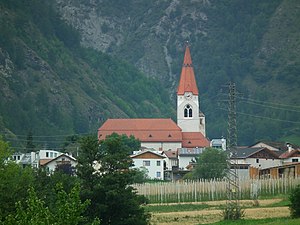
264 202
213 215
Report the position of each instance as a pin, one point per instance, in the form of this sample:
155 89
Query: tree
295 202
210 164
5 152
14 181
68 209
113 200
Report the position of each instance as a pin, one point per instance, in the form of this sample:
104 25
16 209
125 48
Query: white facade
260 162
184 161
187 156
291 160
171 160
48 154
218 143
161 146
188 113
153 162
62 159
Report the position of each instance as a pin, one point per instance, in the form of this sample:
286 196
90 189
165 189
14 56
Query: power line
270 103
270 106
46 136
263 117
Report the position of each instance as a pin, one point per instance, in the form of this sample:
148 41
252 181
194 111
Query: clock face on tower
188 95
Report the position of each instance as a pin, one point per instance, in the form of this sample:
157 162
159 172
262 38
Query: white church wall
162 146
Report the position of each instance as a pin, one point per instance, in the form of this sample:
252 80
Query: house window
158 163
55 155
19 157
158 174
15 157
47 154
257 160
146 163
295 160
188 112
51 154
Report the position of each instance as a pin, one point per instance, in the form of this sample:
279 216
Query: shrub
295 202
232 212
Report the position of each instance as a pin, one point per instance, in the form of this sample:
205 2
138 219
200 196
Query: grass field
264 211
269 221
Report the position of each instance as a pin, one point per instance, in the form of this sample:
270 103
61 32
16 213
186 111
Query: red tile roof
187 81
288 154
194 139
146 130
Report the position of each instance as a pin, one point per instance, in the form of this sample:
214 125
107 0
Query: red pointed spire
187 81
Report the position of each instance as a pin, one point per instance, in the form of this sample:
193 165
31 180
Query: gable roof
247 152
146 130
147 155
194 139
60 156
279 146
187 81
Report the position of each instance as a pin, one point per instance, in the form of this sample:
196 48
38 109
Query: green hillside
253 43
66 66
52 86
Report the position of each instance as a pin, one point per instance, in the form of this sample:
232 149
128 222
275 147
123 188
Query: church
163 134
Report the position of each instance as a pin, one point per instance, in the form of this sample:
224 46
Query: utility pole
232 210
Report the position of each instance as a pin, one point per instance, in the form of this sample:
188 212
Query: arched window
188 111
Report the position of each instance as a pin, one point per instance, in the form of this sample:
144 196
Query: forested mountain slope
53 81
253 43
52 86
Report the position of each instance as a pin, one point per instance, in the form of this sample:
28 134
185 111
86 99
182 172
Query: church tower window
188 111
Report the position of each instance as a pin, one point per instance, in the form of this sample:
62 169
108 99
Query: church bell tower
189 116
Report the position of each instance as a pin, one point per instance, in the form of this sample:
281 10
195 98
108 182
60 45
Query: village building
250 160
163 134
290 156
151 161
63 162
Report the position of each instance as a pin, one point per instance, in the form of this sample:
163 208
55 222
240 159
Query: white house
62 162
257 157
171 160
35 159
152 161
290 156
187 156
218 143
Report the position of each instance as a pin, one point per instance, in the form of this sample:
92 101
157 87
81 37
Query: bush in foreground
295 202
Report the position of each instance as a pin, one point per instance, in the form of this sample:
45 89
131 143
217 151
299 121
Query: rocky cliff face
150 35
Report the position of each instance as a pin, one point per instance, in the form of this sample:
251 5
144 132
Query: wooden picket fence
212 190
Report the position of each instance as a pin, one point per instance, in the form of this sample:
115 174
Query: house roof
194 139
187 81
51 160
289 154
147 154
171 154
190 151
146 130
281 146
44 161
247 152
